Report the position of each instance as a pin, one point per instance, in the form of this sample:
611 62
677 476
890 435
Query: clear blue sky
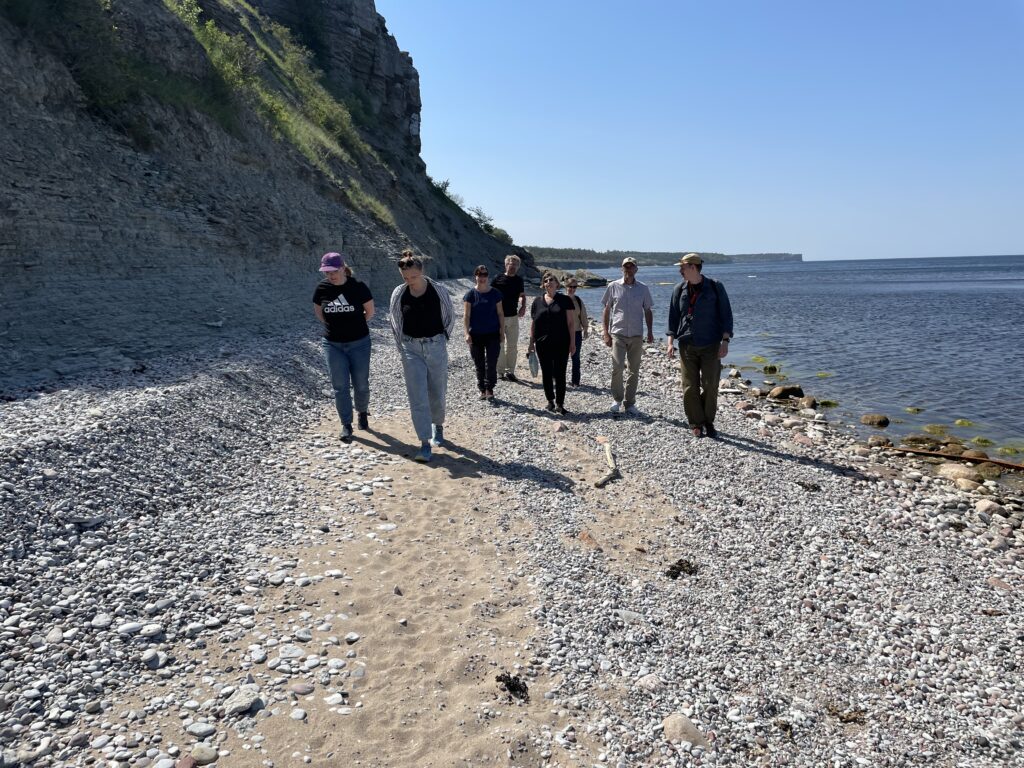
840 130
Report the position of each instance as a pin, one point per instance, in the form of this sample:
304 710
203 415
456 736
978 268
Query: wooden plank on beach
972 459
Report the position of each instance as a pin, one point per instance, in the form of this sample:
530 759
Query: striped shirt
395 307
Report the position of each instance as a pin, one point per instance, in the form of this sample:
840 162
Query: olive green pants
701 370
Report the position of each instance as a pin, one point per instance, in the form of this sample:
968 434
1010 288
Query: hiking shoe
697 432
483 395
616 407
424 454
363 421
632 410
489 394
709 430
437 439
346 433
510 377
560 410
551 405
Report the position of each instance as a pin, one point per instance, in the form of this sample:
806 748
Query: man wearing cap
627 306
700 317
344 306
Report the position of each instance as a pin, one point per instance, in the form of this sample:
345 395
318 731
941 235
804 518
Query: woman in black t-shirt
421 319
344 306
551 333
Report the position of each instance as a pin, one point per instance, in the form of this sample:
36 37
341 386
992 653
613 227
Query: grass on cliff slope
84 36
275 74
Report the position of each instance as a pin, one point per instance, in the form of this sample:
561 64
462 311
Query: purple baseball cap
331 262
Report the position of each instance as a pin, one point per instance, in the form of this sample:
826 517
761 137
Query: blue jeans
425 362
576 359
349 363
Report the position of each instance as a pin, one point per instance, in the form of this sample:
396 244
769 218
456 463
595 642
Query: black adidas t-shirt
342 305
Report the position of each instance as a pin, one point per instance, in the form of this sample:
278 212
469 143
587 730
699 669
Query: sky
839 130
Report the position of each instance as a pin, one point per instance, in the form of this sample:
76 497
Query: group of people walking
423 317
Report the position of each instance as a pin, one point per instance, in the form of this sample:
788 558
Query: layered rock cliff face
184 210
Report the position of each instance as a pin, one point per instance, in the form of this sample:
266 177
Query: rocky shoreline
196 571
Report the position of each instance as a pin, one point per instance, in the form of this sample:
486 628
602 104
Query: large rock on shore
678 727
785 391
952 470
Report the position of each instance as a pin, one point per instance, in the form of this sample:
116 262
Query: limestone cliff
171 171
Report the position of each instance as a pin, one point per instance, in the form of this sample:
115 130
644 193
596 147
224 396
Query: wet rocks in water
786 391
879 420
515 687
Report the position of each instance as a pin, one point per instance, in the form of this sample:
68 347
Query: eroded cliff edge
171 170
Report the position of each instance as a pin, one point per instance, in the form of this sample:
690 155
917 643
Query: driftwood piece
613 472
954 457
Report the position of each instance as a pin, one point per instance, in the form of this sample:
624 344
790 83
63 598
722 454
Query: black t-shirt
510 288
421 315
549 320
342 305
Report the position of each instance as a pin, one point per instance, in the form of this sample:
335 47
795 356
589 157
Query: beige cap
690 258
629 260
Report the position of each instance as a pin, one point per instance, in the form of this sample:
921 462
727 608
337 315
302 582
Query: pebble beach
194 570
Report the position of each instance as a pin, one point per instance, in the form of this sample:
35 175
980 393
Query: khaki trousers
627 352
509 352
701 370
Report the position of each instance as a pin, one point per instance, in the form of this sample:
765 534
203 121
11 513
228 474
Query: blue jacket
712 314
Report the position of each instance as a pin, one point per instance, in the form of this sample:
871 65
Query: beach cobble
780 596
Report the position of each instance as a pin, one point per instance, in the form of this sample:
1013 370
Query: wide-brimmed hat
690 258
332 262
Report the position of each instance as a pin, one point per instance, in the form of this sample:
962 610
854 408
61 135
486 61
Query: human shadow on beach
462 462
756 446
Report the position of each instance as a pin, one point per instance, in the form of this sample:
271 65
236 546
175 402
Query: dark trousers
553 359
484 350
701 369
576 359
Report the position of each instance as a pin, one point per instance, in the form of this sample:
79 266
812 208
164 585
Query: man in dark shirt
513 304
700 317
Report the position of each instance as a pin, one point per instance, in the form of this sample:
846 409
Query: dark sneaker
437 439
363 421
709 430
483 394
560 410
510 377
551 405
424 455
346 433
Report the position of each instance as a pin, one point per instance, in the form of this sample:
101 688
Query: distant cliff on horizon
587 259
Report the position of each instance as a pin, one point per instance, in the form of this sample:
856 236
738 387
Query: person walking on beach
422 318
551 334
485 330
344 306
580 325
513 306
700 318
627 306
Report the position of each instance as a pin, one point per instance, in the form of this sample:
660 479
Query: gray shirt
626 304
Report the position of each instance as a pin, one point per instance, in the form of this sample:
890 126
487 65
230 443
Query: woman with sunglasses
484 320
422 317
580 326
551 334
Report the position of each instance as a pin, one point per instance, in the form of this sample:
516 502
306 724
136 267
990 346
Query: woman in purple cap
344 306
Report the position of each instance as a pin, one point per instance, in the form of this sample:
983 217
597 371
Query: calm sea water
943 335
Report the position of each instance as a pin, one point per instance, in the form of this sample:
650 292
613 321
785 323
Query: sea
928 342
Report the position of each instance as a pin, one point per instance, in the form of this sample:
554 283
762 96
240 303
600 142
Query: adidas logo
338 305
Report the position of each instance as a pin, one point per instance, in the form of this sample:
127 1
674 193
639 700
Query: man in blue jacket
700 317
